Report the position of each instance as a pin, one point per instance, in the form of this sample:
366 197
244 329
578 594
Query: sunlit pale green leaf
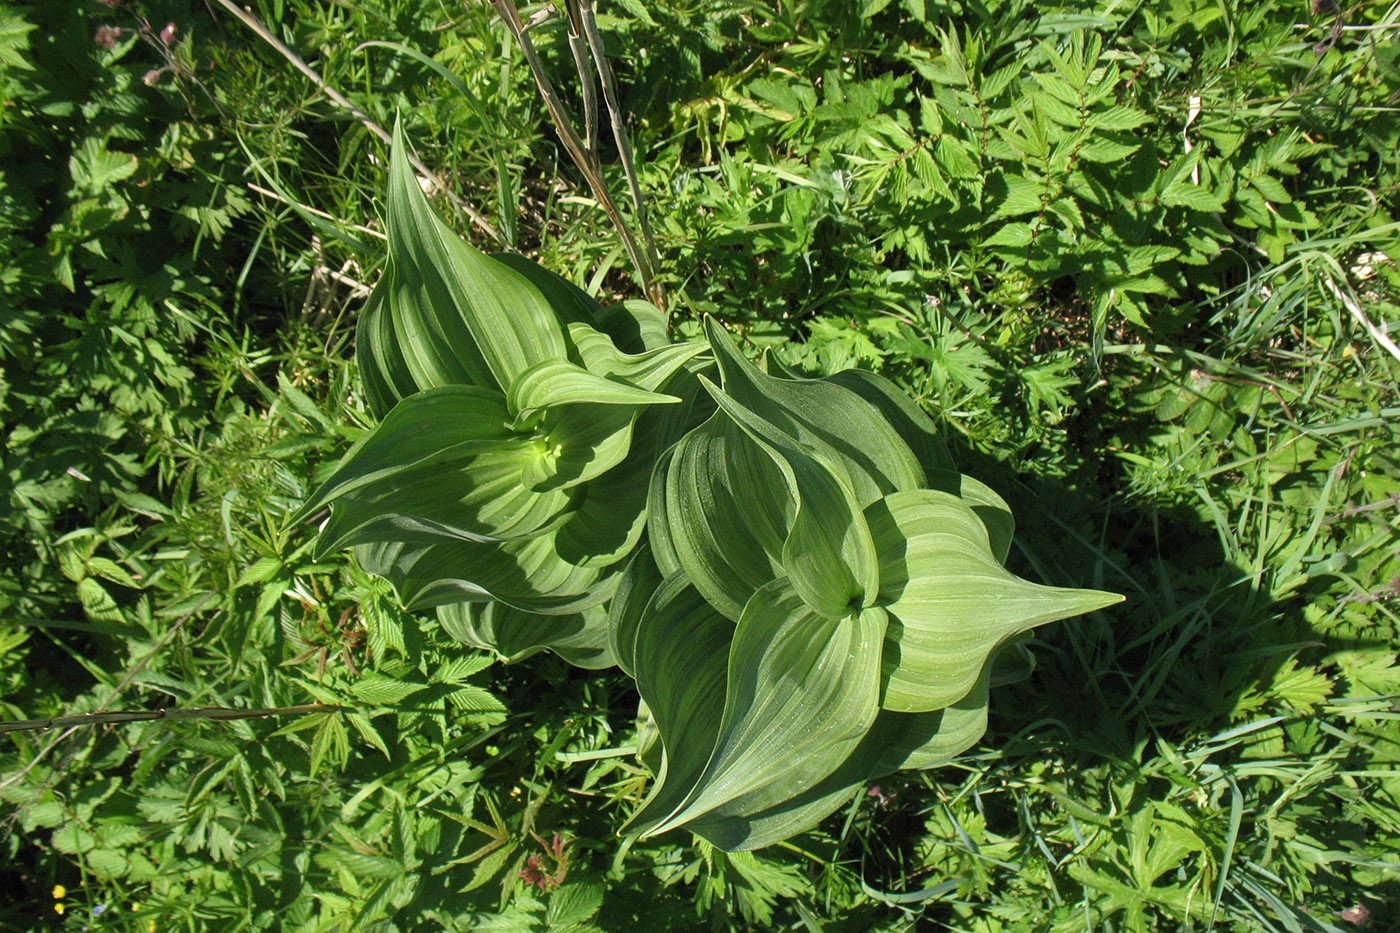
836 422
828 555
950 601
527 574
445 313
442 464
680 656
558 382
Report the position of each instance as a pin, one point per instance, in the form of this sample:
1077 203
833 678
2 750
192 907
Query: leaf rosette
806 591
507 467
845 593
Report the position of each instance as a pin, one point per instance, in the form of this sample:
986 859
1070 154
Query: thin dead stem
584 151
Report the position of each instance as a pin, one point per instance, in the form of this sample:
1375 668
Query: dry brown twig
583 150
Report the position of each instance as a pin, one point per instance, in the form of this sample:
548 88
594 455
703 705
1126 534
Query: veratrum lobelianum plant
806 591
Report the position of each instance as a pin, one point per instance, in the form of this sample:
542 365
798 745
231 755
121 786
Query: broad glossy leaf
894 741
579 443
950 601
845 429
802 691
446 313
443 463
580 638
931 739
379 359
526 574
608 515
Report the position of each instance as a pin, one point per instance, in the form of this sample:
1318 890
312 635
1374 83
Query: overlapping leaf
951 603
807 592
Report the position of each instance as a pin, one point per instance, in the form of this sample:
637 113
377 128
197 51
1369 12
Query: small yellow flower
59 892
58 908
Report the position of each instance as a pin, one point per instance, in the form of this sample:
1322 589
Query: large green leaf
443 463
828 554
558 382
579 443
679 652
513 635
720 509
950 601
894 741
629 606
648 370
909 421
527 574
849 432
802 691
445 313
571 304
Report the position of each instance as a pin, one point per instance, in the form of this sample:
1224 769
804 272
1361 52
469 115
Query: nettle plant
805 590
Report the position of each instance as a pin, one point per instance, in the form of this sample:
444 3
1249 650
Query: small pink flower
107 36
1356 915
152 77
110 3
167 35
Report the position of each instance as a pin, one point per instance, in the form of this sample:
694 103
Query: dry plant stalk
586 46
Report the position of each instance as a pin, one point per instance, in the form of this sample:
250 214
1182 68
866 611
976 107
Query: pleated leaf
846 430
907 419
802 691
721 509
580 638
527 574
828 554
648 370
679 652
629 605
950 601
445 313
894 741
559 382
443 463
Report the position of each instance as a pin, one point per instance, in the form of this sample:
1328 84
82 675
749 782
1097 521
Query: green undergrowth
1137 260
